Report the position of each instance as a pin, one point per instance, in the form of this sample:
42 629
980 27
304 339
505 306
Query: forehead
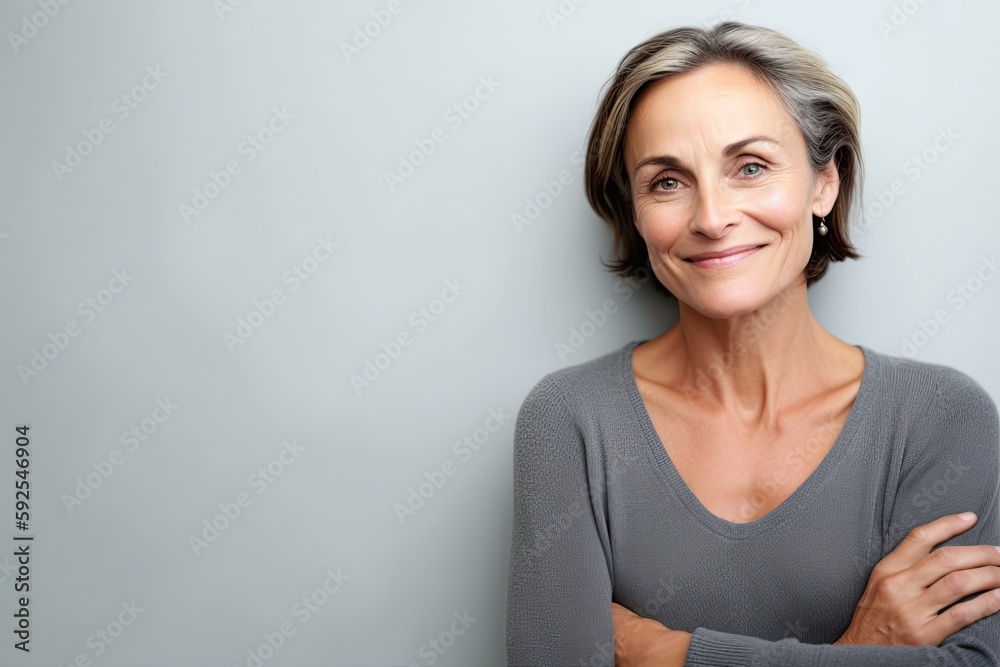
713 105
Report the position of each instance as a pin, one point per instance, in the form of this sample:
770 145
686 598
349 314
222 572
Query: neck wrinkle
759 365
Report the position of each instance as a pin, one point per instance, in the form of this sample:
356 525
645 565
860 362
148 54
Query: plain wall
112 528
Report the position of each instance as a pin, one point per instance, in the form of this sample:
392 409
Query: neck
758 365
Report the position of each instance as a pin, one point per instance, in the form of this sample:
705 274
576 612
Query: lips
726 257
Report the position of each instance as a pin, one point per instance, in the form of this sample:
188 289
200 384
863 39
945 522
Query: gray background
64 234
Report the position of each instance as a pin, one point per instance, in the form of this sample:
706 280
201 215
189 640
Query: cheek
660 223
662 226
781 208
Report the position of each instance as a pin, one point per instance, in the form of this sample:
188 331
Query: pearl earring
822 227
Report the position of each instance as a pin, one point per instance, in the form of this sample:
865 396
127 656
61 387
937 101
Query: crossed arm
560 594
902 604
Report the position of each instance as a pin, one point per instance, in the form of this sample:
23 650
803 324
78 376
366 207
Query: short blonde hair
821 104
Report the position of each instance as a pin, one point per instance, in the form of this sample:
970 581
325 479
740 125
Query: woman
745 488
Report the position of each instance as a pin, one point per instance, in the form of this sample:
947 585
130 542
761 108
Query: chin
725 301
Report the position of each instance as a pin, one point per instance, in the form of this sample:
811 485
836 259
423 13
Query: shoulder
562 420
931 389
941 409
581 389
587 381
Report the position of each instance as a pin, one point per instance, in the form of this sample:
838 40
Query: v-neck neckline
665 466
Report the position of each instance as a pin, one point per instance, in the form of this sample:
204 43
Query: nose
714 212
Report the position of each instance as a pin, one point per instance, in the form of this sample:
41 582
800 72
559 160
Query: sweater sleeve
952 465
559 587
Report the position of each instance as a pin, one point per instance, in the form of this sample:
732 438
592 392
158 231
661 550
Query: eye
668 183
752 169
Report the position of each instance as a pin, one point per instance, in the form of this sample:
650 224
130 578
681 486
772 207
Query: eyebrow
728 151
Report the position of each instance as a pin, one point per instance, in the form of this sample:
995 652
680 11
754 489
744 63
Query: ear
827 187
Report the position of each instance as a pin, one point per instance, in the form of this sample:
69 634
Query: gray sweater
601 515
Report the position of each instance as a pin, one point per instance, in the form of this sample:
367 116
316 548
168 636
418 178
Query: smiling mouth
724 258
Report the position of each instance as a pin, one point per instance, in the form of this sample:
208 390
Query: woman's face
716 164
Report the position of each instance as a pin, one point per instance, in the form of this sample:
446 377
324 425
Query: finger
922 539
956 585
962 615
947 560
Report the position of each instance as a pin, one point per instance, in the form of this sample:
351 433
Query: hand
643 642
907 589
